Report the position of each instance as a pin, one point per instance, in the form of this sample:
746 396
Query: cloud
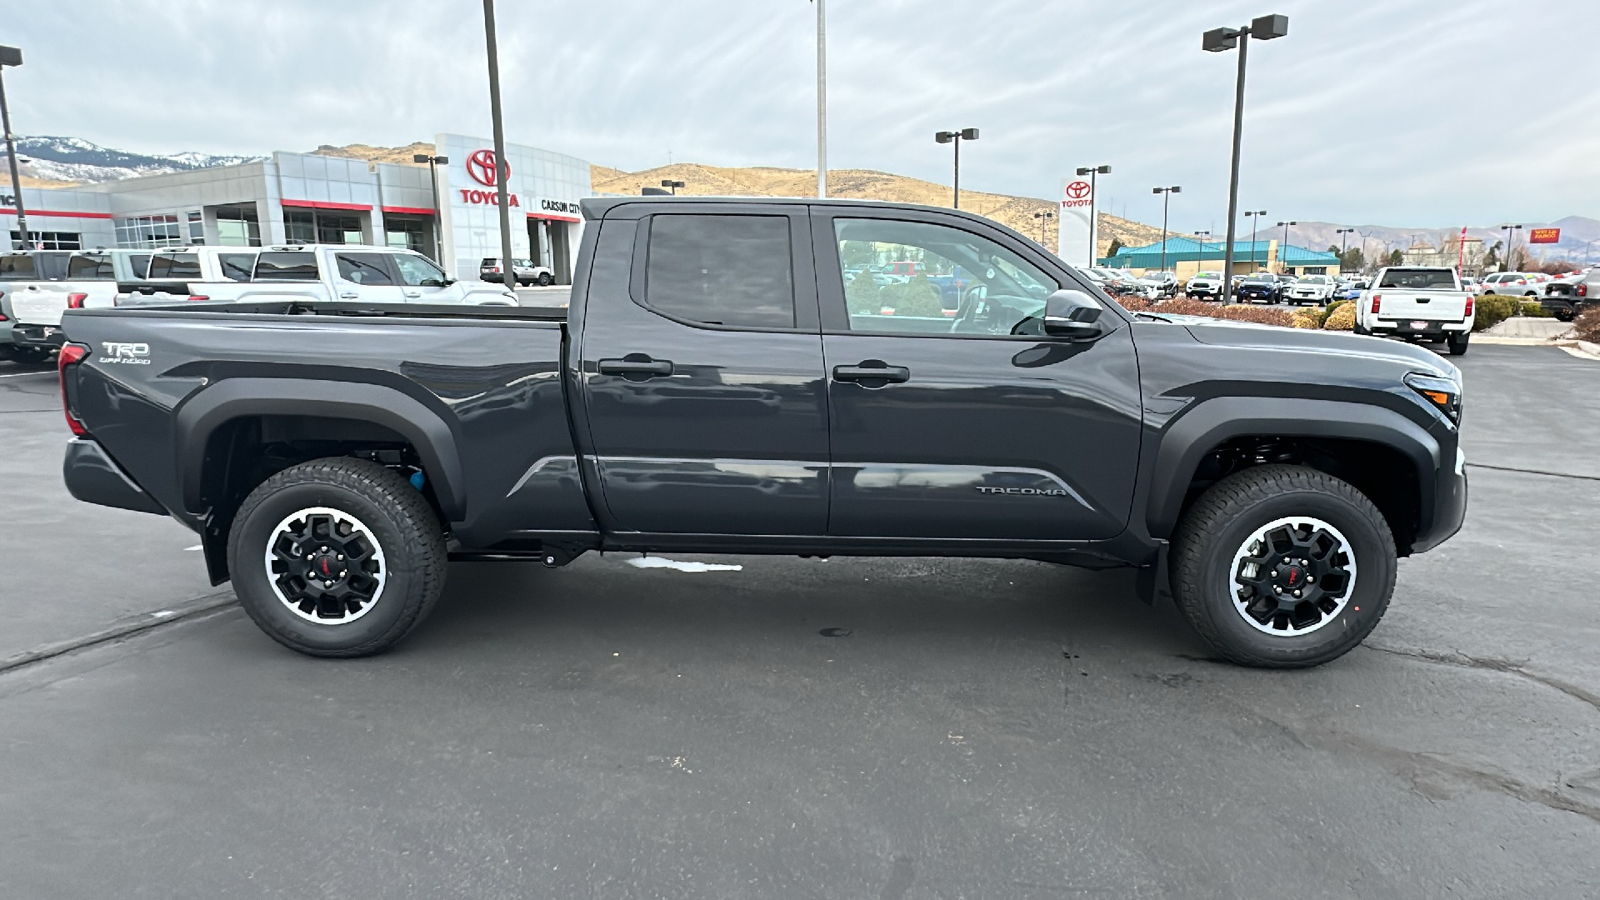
1408 111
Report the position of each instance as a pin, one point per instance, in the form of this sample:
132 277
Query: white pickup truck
1418 303
342 272
36 286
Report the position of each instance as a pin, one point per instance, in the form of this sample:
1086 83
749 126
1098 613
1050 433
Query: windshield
1258 279
1208 275
1419 279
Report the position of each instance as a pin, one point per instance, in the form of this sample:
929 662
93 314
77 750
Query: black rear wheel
1458 344
1283 567
337 557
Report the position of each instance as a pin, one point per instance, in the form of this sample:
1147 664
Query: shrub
1306 319
1587 326
917 297
1535 310
1341 319
1491 310
861 295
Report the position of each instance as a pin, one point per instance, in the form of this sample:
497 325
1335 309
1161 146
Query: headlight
1441 393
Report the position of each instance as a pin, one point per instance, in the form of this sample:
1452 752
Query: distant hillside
62 161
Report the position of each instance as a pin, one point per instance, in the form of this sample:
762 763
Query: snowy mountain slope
75 159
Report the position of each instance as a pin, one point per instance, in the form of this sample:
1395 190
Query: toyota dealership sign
1075 223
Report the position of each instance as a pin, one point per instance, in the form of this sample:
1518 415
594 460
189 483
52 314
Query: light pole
671 185
1511 236
1094 197
12 56
822 99
1255 220
1216 40
1344 244
1166 196
433 179
956 137
1044 218
501 168
1283 247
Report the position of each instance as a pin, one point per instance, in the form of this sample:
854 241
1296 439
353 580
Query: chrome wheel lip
1249 547
357 527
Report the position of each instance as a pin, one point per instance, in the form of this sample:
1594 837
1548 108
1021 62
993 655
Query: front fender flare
1188 438
429 434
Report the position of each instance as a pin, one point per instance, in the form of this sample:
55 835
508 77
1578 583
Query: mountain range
63 161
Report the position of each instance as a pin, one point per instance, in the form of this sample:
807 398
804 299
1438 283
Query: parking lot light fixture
1166 195
671 185
1511 236
1282 247
12 56
1264 28
433 180
1044 218
1254 215
1094 198
956 137
1344 243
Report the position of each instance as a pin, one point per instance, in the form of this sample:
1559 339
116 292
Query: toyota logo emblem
1076 190
480 165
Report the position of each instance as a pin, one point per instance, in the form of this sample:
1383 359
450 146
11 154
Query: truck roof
598 207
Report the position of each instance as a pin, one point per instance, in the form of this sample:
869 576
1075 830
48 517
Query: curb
1581 349
122 628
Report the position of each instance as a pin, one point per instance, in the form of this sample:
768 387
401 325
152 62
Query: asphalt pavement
809 728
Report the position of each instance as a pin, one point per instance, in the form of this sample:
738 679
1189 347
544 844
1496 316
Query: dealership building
452 216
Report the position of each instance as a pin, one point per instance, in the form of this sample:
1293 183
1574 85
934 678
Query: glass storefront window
48 240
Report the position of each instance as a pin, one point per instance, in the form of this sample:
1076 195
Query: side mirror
1071 314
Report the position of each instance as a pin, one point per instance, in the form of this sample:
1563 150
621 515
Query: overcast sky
1422 113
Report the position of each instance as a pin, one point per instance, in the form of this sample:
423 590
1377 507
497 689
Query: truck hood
1250 335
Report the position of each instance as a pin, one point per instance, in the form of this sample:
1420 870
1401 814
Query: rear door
968 424
701 371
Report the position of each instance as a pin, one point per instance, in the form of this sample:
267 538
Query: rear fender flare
1188 439
428 433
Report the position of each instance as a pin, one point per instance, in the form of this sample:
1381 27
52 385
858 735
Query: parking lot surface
799 728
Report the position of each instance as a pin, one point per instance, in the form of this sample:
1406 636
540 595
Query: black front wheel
337 557
1283 566
545 279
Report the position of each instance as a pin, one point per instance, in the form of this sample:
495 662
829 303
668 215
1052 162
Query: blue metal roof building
1186 256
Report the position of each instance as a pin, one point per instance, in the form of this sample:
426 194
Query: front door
423 282
953 415
366 278
702 372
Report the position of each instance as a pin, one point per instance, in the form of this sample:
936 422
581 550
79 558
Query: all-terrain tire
399 520
1224 518
1459 347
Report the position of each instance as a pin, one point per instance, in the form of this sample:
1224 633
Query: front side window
721 270
963 283
363 268
90 267
419 271
175 265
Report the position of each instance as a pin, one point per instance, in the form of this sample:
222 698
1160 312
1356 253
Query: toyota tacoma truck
1417 303
718 386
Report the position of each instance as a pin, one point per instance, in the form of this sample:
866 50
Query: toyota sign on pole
1074 225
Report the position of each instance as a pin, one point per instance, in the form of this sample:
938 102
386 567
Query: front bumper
93 477
1449 504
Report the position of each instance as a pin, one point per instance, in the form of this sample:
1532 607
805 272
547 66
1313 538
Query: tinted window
722 270
363 268
140 263
175 265
417 270
1419 279
90 268
17 267
236 266
287 265
965 284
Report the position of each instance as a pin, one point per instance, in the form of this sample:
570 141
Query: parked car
1262 286
1566 298
1165 283
1311 289
1119 283
526 272
1418 303
334 459
1512 283
347 272
1350 289
1207 285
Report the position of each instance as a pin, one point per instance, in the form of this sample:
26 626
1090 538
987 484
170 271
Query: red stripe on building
542 215
61 213
323 204
408 210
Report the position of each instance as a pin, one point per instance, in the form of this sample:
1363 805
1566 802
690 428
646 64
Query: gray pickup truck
730 379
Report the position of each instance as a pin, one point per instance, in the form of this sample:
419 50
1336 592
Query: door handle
867 372
349 295
636 365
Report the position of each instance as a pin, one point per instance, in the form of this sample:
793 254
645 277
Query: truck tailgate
43 303
1428 306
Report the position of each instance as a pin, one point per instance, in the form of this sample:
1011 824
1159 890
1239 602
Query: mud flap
1154 582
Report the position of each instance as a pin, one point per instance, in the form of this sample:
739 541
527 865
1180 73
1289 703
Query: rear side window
18 267
721 270
140 263
363 268
175 265
236 266
286 265
1419 279
90 268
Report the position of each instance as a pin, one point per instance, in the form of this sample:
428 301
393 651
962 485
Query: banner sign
1544 236
1075 225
